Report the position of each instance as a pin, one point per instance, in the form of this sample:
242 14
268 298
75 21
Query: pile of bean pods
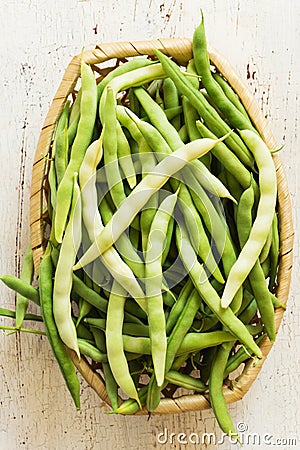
161 263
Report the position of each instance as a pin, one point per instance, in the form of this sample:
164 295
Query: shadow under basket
103 59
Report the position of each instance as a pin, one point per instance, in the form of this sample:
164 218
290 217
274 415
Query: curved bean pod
21 287
191 342
88 107
216 395
59 350
274 252
238 358
131 406
230 94
26 276
201 58
4 312
209 295
206 111
114 343
153 285
162 126
185 381
60 144
171 100
141 194
88 349
263 221
124 157
74 118
110 145
256 275
122 69
93 222
64 273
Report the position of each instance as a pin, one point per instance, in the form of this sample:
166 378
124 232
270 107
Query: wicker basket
181 51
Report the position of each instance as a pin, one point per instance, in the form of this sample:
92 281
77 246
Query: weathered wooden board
261 38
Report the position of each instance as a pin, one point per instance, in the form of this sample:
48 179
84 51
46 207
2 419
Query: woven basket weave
181 51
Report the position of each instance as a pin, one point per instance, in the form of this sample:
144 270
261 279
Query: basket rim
181 50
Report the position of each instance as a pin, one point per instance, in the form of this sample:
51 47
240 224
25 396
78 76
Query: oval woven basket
181 51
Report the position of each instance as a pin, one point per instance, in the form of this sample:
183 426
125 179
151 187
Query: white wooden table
261 38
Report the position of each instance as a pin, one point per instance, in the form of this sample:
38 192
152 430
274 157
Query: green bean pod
64 273
84 309
137 199
4 312
185 381
201 58
226 157
177 309
99 339
129 66
74 118
171 100
83 332
256 275
210 296
59 350
230 94
205 110
191 117
181 328
26 276
238 358
153 284
162 126
93 222
264 216
114 343
88 349
60 144
124 157
123 244
21 287
153 394
266 248
111 386
131 406
88 107
274 252
129 328
216 395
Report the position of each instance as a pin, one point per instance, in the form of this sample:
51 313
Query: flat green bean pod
27 276
206 111
264 216
20 286
150 184
153 284
114 343
210 296
59 350
93 223
88 108
201 58
216 395
63 274
256 275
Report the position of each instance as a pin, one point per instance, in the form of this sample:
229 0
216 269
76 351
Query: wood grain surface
261 39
